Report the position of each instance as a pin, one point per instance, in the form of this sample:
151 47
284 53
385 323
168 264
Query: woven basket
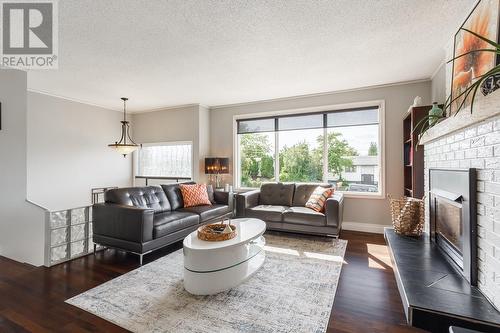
210 232
407 216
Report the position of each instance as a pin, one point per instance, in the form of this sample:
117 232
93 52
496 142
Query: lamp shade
216 165
124 149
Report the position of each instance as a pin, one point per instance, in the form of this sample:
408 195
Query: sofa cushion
303 193
194 195
318 198
169 222
266 212
276 194
304 215
174 195
207 212
152 197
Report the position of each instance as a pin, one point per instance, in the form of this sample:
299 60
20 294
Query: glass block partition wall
69 234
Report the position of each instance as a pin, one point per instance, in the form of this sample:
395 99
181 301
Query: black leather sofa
143 219
282 207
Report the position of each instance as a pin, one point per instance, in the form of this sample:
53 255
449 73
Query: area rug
292 292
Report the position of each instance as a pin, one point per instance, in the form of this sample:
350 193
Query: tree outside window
256 158
297 144
373 149
301 162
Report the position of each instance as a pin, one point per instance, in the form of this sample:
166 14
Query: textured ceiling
165 53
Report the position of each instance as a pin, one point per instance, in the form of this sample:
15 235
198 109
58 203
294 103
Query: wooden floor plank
7 325
33 298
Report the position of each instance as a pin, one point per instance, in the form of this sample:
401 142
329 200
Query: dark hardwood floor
32 298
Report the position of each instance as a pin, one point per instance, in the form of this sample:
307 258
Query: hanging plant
486 81
424 125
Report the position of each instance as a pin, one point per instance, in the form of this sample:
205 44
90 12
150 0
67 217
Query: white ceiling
166 53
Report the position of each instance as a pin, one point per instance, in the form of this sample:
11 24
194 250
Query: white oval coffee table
213 267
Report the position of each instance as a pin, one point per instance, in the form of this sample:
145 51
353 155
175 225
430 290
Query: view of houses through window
341 148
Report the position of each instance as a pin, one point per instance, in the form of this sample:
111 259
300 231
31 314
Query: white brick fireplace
473 141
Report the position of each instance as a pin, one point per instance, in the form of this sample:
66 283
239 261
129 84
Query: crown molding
166 108
441 64
224 106
281 99
72 99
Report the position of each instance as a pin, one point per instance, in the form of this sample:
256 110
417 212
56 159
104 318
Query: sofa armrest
123 222
334 210
221 197
246 200
224 198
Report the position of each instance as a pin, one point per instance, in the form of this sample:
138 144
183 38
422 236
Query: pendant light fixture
123 147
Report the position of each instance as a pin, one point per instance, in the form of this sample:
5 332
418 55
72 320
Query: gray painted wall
177 124
438 85
203 139
397 100
185 123
68 153
21 223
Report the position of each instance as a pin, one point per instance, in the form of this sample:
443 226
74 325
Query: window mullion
276 156
238 161
325 155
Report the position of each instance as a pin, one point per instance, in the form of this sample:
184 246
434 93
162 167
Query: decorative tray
217 232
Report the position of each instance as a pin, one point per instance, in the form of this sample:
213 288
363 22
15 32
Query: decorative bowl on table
217 232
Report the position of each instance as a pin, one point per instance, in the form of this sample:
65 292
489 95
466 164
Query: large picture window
339 147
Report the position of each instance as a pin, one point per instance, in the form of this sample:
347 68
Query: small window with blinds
165 160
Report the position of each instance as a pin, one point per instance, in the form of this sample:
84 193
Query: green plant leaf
424 125
424 129
423 122
473 91
497 51
473 98
492 43
447 104
419 124
467 91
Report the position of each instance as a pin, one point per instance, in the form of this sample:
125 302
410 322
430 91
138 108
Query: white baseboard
364 227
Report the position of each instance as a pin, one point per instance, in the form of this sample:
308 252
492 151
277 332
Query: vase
435 111
490 84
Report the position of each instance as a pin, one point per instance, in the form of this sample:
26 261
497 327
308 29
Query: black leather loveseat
282 207
143 219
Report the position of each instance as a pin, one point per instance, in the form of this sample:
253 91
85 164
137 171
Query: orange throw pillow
194 195
318 198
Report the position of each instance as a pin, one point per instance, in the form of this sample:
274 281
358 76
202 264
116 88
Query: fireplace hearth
452 202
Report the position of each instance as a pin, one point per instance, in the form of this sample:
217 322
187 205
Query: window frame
304 111
165 143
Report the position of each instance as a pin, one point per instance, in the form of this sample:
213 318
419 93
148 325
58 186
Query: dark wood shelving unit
413 157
